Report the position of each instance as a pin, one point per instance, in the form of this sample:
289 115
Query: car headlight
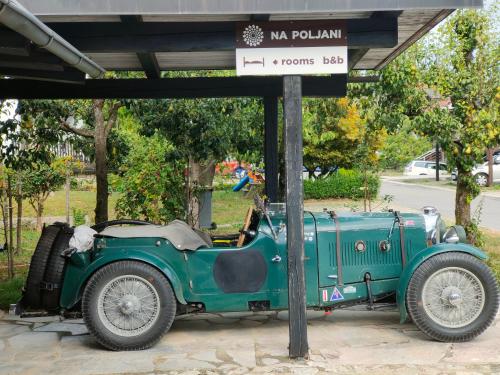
434 225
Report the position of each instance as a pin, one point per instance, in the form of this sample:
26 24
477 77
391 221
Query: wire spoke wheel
128 305
453 297
482 179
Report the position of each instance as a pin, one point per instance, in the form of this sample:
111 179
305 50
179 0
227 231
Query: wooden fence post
292 97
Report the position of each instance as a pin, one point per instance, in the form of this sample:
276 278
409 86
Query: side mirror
451 236
455 234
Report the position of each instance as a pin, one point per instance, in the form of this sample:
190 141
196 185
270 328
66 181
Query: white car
424 168
480 172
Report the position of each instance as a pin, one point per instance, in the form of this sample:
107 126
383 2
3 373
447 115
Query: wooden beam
13 44
363 79
260 17
271 147
148 37
292 137
354 56
148 60
33 57
49 77
202 87
30 65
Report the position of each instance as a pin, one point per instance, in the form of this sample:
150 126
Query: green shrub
343 184
11 290
78 217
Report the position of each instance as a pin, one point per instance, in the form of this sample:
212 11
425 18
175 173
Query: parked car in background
480 172
424 168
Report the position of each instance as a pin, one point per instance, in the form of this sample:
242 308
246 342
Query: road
416 196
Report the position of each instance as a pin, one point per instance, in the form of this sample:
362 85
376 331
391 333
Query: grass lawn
55 205
228 212
492 247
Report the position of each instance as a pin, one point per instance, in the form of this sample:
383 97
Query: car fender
70 298
422 256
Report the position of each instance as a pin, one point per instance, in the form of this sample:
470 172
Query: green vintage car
136 278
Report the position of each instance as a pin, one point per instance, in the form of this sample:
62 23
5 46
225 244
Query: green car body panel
231 279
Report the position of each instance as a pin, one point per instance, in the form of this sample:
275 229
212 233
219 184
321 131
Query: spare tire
54 273
31 294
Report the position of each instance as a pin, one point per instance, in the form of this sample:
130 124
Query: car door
496 168
420 168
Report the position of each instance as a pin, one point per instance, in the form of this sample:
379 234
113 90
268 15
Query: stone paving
346 342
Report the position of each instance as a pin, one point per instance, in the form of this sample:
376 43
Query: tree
92 120
333 129
151 181
401 147
25 142
465 68
102 127
204 132
41 180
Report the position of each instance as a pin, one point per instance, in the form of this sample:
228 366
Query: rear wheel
128 306
452 297
482 179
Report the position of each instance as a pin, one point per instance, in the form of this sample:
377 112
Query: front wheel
452 297
128 306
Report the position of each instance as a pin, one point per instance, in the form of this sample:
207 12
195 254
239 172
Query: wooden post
271 146
67 188
438 161
292 98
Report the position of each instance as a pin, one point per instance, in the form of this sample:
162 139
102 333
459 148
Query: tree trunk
7 246
365 185
193 203
462 202
200 177
207 174
39 213
101 173
10 250
490 167
67 189
19 226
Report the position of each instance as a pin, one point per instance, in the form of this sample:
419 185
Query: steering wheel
246 225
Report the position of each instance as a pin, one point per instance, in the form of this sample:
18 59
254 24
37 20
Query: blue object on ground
245 180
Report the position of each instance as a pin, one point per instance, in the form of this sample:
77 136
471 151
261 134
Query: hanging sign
291 47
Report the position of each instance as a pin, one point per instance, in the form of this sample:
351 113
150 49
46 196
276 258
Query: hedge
343 184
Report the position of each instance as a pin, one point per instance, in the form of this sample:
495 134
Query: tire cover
31 296
54 272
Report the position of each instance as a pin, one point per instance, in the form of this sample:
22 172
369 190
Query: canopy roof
160 35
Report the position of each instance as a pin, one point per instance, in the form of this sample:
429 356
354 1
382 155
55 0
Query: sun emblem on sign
253 35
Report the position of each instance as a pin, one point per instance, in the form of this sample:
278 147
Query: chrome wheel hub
128 305
453 297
